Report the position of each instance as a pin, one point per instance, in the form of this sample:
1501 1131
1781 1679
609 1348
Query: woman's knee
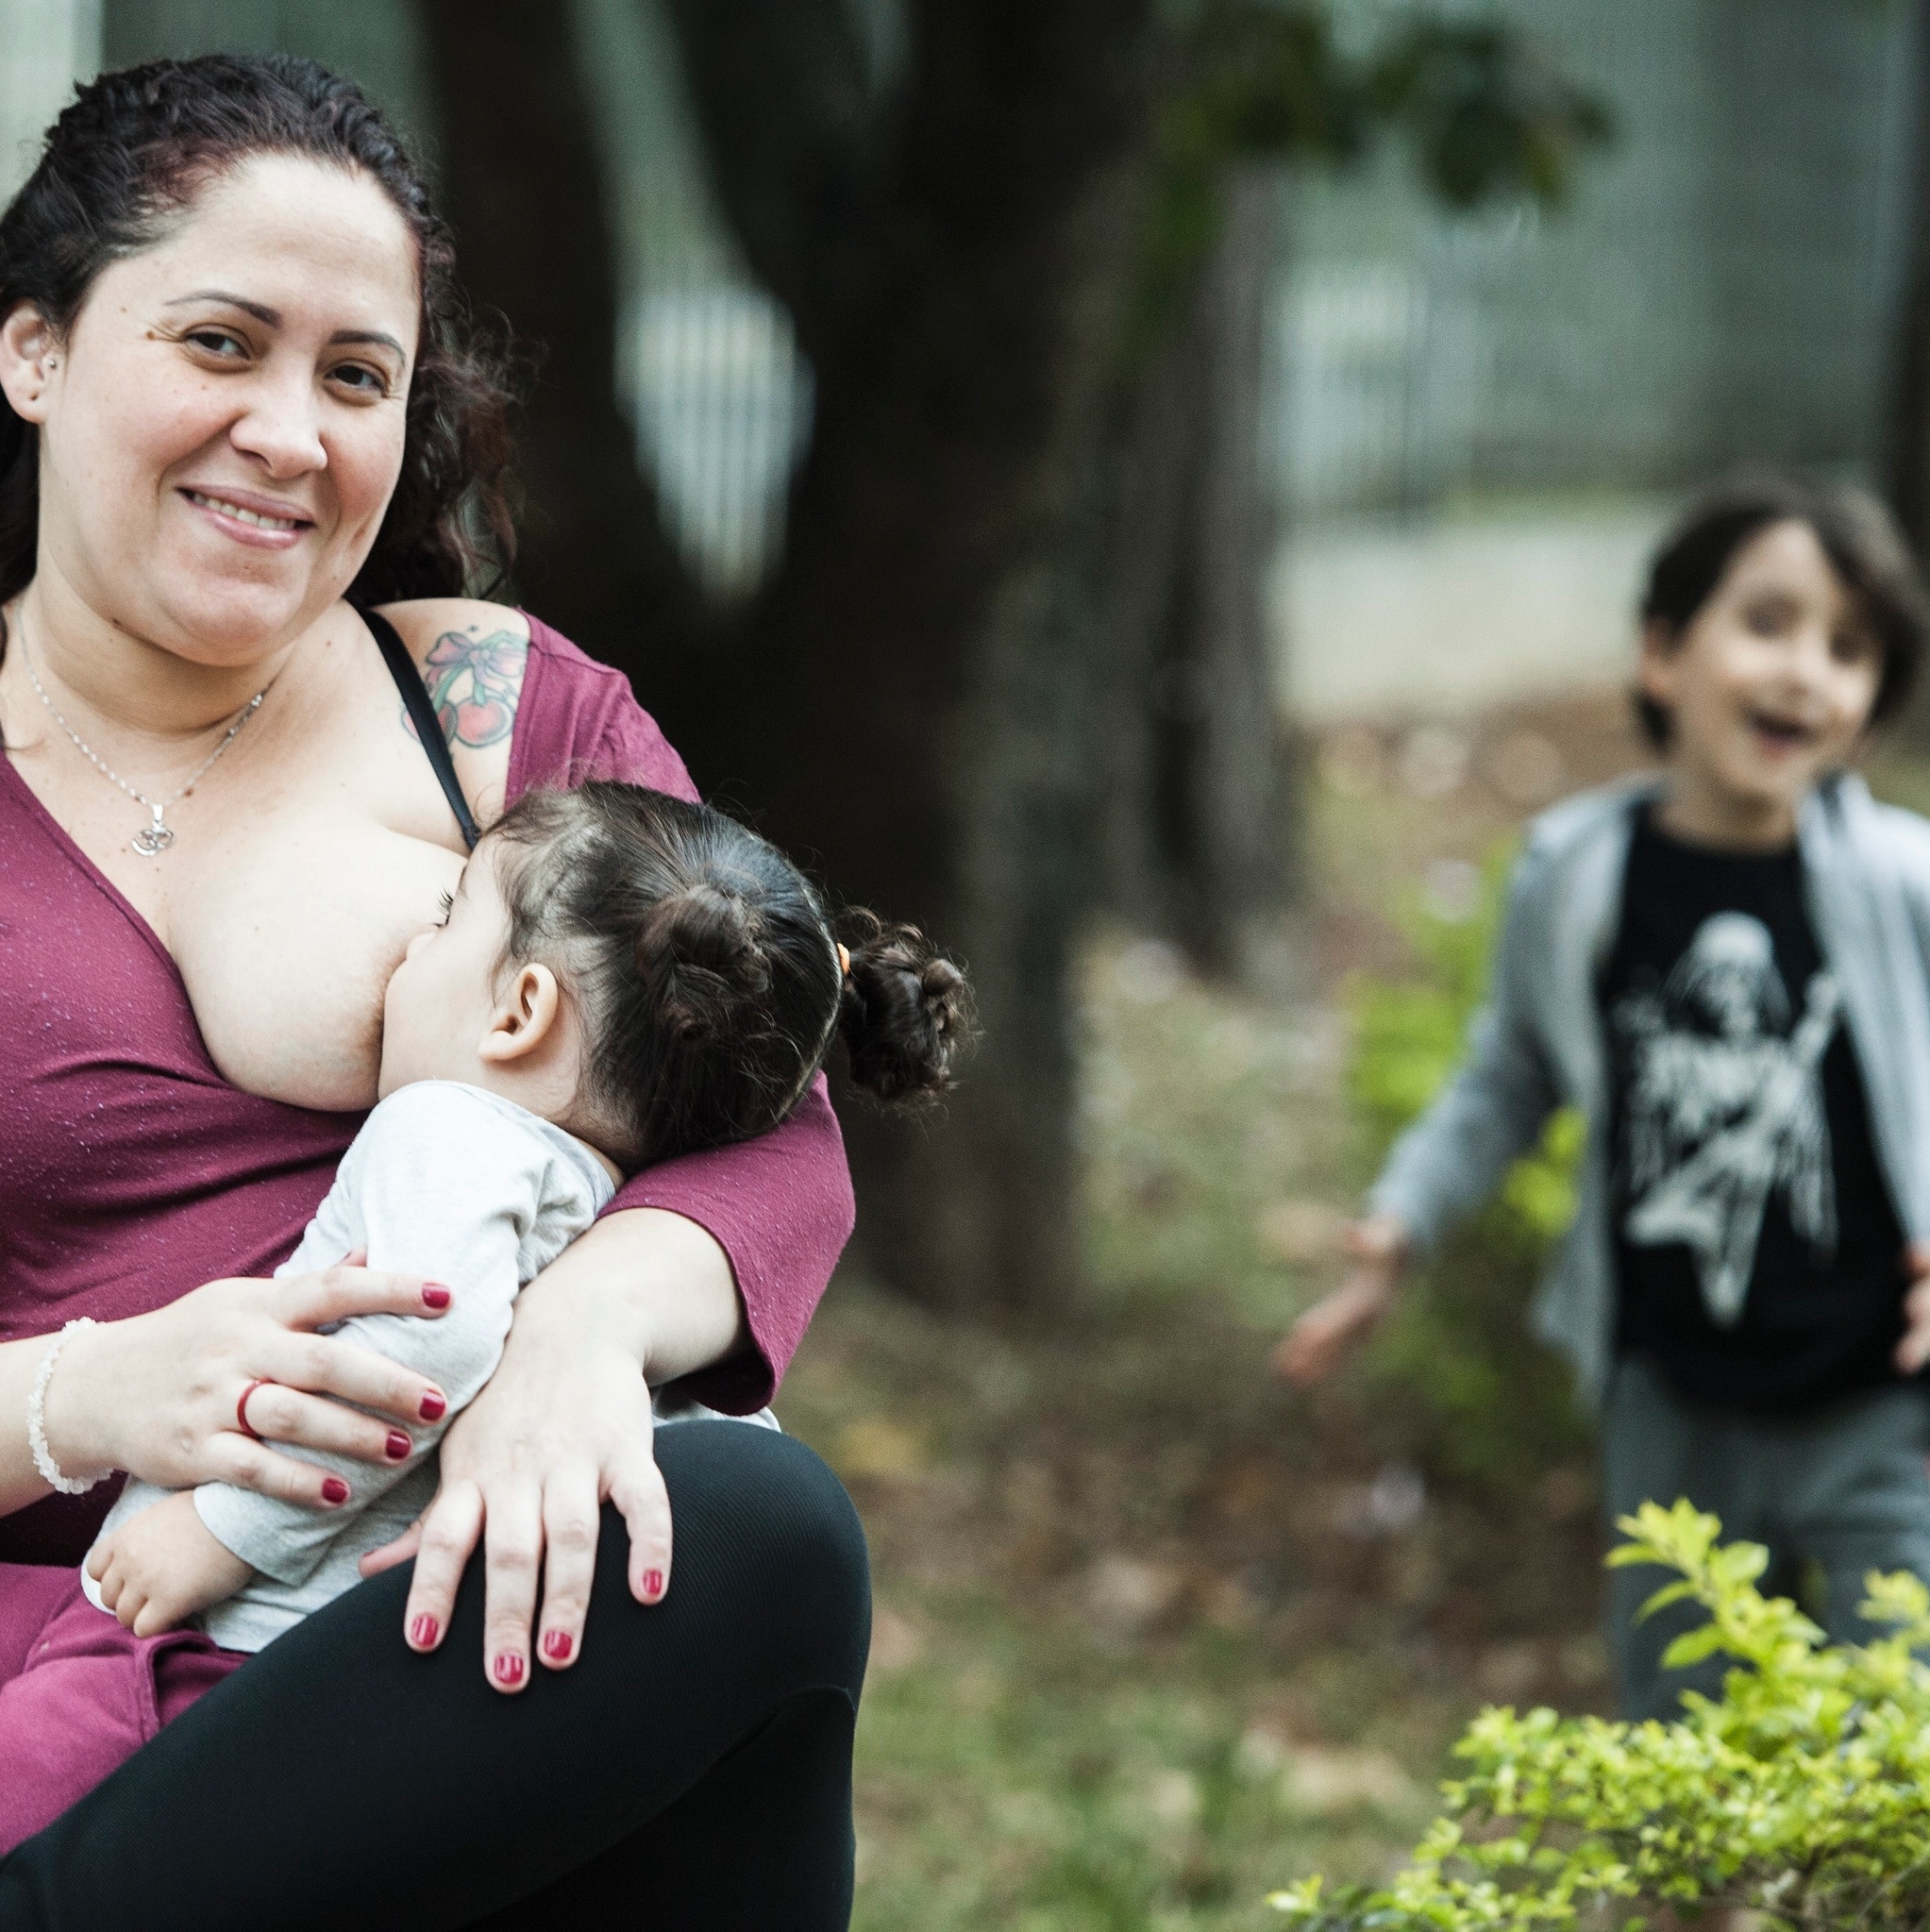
763 1516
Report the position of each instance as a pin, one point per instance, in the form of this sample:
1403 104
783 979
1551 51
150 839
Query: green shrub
1803 1792
1493 1408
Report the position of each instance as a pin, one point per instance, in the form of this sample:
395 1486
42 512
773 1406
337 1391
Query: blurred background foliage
1485 114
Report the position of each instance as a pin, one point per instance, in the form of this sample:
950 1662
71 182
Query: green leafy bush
1803 1792
1495 1408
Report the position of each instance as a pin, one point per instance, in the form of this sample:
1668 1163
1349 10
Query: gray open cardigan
1538 1044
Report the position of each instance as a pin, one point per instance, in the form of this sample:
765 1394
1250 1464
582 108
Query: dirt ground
1153 1633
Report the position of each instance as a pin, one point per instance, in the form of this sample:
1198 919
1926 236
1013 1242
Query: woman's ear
525 1017
29 352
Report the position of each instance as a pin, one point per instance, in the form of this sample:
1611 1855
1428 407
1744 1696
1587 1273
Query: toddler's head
657 979
1783 616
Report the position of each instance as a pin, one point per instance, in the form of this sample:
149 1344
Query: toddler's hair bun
702 948
905 1013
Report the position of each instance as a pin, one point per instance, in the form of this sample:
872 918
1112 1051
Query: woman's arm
156 1394
20 1482
645 1298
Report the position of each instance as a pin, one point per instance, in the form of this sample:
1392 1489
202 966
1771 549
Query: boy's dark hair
706 970
1858 536
129 154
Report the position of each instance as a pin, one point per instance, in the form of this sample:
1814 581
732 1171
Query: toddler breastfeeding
620 977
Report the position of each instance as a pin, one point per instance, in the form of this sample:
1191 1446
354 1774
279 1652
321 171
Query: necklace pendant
152 840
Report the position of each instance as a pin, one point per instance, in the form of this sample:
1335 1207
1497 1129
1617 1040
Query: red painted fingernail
398 1445
435 1295
433 1406
334 1490
558 1644
509 1670
423 1632
653 1584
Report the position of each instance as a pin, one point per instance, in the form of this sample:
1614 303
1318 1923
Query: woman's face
222 427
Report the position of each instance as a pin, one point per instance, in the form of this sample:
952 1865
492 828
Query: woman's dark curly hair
129 155
706 971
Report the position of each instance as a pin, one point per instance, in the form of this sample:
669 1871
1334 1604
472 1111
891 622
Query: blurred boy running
1723 965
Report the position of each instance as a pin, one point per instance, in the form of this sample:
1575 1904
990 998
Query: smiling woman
242 409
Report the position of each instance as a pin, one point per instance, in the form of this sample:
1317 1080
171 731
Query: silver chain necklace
151 840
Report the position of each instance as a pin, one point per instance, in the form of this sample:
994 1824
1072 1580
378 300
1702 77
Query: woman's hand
1317 1343
158 1394
562 1426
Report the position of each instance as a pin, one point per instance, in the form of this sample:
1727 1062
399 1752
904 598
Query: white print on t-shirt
1725 1104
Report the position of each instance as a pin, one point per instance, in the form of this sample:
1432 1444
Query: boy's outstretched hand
159 1568
1913 1351
1315 1346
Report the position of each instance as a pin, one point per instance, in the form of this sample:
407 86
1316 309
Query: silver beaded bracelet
37 1420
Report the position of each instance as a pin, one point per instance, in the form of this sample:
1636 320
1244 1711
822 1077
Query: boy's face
440 998
1770 687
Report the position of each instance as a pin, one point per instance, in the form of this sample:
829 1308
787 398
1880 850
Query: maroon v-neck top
131 1171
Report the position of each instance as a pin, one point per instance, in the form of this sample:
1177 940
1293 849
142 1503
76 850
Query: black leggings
693 1769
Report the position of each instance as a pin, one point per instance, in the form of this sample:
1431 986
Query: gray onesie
444 1181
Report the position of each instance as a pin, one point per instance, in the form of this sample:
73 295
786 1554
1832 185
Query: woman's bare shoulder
473 657
425 622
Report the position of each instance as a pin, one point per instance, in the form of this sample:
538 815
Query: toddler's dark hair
1858 536
705 967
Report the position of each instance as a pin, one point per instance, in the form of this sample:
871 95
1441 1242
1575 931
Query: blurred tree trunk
1235 770
1909 425
1907 431
919 667
1197 807
906 702
522 187
1020 579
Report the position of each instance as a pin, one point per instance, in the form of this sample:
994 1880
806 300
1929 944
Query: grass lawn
1154 1635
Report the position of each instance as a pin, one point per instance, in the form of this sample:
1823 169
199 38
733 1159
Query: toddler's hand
1315 1344
157 1570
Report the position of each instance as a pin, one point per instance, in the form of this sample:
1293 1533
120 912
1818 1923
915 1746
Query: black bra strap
422 713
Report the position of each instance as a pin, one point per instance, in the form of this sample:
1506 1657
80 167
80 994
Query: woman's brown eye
364 381
216 340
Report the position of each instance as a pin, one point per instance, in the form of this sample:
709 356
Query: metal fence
1723 285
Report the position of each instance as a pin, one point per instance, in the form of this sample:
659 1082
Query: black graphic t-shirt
1759 1254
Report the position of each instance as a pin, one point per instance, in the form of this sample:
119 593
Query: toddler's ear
525 1016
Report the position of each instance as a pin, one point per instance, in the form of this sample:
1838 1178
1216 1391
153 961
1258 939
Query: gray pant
1840 1491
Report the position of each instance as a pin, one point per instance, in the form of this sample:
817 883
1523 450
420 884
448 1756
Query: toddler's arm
443 1185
